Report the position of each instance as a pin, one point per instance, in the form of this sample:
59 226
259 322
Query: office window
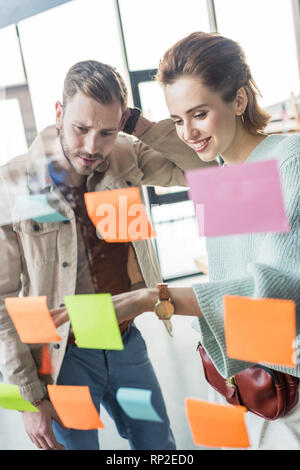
56 39
153 101
13 141
178 243
265 31
12 72
151 27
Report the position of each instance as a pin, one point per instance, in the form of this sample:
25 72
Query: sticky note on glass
260 330
53 217
75 407
119 215
136 403
215 425
11 399
244 198
46 365
36 207
94 321
32 319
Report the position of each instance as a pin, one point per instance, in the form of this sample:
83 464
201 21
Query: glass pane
12 72
268 39
151 27
78 30
161 191
13 141
176 226
153 101
155 109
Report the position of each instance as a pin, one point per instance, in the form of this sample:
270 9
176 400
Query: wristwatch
164 307
131 122
38 402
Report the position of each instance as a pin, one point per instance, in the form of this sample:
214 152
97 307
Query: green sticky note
94 321
11 399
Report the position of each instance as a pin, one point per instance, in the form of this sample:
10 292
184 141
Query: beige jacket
43 261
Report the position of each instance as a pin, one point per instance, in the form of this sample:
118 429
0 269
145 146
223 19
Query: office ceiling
13 11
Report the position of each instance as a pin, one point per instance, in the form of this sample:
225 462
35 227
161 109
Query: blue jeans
104 371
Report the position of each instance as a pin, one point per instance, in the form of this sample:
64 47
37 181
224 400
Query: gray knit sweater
264 265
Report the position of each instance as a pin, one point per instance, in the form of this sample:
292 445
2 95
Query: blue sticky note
36 207
51 217
136 403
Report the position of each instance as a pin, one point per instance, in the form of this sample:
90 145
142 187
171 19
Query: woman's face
203 120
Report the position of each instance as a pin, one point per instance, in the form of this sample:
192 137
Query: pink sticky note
243 198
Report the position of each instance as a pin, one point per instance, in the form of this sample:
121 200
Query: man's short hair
99 81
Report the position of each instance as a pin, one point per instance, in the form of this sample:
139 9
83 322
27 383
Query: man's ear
241 101
126 114
123 120
59 114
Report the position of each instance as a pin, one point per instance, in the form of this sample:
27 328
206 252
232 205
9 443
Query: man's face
87 131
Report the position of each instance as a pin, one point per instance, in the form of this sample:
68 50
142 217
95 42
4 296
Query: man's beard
65 149
67 153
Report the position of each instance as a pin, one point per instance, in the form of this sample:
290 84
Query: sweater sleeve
275 273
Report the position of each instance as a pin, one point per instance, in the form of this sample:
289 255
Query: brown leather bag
263 391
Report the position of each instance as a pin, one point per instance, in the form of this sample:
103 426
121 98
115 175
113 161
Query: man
85 152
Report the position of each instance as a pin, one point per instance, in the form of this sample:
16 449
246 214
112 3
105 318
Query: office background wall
40 40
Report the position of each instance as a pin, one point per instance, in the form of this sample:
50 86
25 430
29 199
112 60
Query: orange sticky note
260 330
119 215
46 366
215 425
32 319
74 406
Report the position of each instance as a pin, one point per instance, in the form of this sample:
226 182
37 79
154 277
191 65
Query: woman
212 99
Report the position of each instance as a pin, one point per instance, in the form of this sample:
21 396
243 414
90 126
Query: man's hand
142 125
131 304
59 315
39 426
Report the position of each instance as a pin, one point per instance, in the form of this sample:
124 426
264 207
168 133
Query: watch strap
131 122
163 293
